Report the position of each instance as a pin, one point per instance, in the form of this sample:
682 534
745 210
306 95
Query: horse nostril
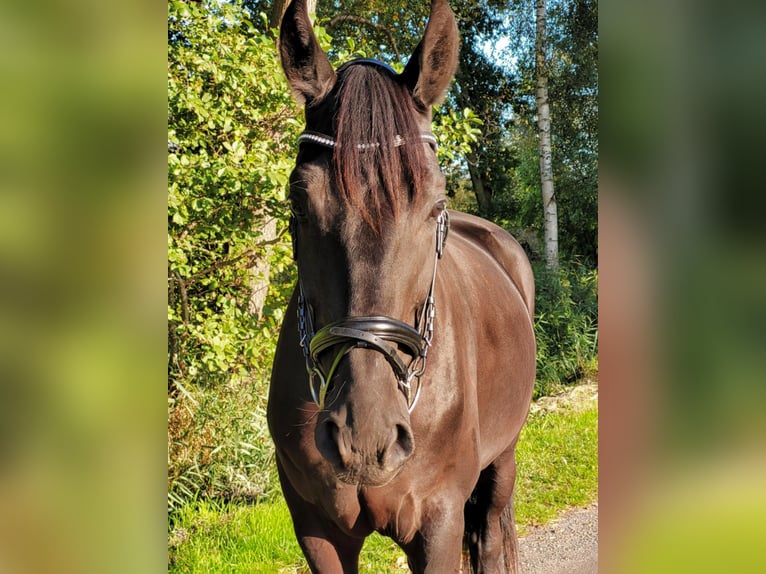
338 441
399 449
404 439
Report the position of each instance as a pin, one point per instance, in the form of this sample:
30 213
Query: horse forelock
372 107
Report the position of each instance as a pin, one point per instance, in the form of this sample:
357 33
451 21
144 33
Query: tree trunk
550 212
483 197
260 273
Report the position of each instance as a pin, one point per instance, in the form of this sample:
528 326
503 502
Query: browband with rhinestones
327 141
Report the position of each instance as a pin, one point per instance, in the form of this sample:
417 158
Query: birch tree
550 212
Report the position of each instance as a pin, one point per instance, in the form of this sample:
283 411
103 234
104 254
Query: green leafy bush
566 325
231 131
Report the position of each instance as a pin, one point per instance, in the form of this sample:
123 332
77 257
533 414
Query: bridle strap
329 142
371 333
369 62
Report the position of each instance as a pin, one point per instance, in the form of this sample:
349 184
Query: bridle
380 333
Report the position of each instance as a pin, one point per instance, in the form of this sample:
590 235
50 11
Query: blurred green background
82 304
683 287
82 260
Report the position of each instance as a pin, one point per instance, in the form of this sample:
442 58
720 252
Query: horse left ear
433 63
306 66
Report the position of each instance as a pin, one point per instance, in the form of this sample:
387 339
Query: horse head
368 219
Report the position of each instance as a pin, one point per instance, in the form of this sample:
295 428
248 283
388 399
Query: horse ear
434 61
306 66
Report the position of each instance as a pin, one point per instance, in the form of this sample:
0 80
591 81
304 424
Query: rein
382 334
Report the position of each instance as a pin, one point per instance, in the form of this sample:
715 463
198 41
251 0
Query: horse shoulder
503 247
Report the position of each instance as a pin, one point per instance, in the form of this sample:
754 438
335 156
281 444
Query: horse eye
297 209
438 207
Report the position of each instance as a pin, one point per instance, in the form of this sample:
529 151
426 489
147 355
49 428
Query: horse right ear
306 66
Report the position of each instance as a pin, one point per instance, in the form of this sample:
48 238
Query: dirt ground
568 545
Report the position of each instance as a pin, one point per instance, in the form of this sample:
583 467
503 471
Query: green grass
557 459
234 538
558 469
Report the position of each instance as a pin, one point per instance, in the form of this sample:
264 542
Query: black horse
405 366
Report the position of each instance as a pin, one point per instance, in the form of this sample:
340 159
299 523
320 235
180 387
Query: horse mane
374 107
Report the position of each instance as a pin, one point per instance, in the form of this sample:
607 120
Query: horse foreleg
327 553
326 548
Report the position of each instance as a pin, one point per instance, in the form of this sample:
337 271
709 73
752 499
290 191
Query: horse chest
391 511
359 511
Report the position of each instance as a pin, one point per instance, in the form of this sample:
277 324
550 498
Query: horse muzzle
369 454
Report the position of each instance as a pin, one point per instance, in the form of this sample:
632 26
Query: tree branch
250 254
184 297
343 18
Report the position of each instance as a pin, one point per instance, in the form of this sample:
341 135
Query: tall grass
219 445
566 326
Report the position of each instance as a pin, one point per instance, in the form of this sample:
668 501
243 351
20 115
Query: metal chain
303 329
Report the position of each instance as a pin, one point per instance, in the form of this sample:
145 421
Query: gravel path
568 545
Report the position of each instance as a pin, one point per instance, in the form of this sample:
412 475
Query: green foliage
231 129
502 92
456 131
219 446
385 30
210 537
518 205
231 126
574 108
566 326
